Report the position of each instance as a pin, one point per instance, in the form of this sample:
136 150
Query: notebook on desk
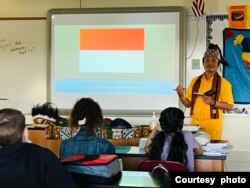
218 143
217 151
191 127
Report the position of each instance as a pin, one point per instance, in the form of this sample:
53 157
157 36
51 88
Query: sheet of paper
200 94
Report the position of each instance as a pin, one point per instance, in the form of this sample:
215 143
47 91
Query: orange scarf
214 112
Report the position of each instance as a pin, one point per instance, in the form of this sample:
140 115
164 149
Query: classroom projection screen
129 60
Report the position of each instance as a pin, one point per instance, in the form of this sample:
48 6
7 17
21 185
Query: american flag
198 7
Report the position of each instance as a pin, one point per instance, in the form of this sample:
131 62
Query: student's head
86 113
12 125
171 120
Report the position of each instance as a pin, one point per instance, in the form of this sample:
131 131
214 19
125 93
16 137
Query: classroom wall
236 127
36 8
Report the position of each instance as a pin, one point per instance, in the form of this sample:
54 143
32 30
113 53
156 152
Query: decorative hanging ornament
198 7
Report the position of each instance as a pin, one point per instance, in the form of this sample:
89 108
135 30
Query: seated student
26 164
85 118
167 141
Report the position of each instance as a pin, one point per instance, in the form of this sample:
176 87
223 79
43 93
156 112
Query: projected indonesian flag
112 50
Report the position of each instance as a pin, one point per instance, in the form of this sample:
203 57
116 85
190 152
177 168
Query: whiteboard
23 59
136 77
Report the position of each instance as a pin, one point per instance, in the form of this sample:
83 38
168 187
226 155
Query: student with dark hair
26 164
85 119
168 142
206 110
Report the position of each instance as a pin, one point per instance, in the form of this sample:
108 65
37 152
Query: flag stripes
112 39
198 7
112 50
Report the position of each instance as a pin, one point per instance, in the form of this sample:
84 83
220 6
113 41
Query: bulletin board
23 60
215 25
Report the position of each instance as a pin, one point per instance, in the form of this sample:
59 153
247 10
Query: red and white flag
112 50
198 7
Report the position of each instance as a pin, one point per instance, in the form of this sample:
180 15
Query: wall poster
237 53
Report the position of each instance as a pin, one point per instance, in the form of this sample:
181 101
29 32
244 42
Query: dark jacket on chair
31 166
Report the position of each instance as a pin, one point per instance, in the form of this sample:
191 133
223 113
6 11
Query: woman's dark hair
171 121
88 110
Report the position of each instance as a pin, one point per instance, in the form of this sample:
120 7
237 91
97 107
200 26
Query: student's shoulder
102 140
36 149
105 143
32 146
187 134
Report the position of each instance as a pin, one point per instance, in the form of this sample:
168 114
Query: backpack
102 168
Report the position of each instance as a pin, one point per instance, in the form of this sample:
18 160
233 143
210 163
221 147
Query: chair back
167 166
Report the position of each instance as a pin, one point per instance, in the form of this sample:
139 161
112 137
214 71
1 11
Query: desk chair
160 165
160 170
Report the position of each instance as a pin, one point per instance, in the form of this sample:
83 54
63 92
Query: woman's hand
155 131
208 100
157 128
180 91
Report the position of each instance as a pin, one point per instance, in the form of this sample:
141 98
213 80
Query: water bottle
153 121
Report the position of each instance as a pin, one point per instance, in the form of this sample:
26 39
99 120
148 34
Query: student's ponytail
178 149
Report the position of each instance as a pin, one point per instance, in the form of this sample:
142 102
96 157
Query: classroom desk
37 136
129 179
132 155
